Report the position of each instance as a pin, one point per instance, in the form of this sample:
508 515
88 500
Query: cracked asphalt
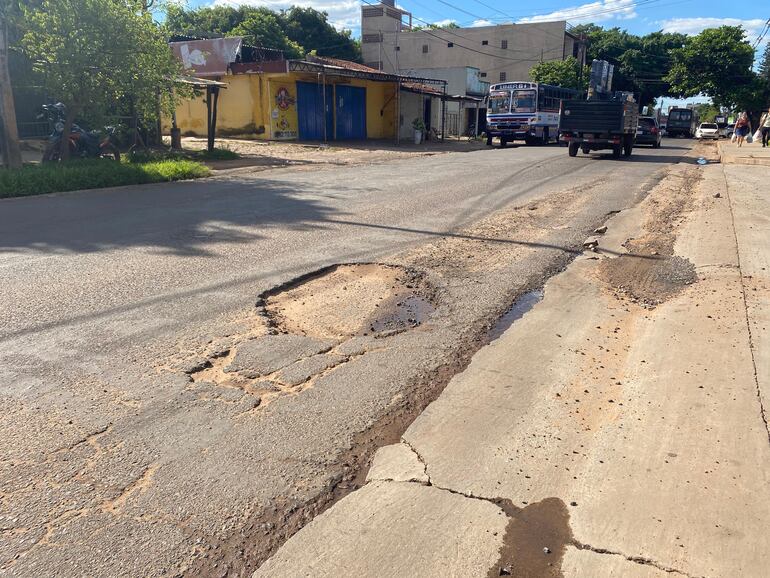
118 459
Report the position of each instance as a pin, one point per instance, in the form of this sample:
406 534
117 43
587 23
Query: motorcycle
82 143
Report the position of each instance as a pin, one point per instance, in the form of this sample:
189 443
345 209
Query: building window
484 42
450 44
398 49
483 75
504 44
502 77
425 49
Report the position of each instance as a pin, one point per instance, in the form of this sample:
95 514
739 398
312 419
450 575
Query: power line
762 34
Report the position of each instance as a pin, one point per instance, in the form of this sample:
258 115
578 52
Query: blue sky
638 16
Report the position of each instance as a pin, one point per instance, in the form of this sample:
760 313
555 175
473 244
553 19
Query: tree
311 29
296 31
717 62
9 135
94 54
565 73
262 28
764 65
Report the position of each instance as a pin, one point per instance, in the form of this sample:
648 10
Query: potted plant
419 129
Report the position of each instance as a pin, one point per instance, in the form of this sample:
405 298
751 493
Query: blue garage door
310 111
350 103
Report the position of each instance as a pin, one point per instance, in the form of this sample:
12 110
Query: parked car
707 130
729 130
648 132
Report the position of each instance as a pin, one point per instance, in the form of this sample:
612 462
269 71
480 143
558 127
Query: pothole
648 279
349 300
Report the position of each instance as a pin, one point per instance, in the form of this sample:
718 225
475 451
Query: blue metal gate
350 109
310 111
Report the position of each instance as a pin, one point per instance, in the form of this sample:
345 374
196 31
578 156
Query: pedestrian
765 129
742 128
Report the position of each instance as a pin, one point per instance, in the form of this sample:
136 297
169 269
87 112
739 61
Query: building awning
199 83
345 68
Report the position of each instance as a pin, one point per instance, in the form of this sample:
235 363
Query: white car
707 130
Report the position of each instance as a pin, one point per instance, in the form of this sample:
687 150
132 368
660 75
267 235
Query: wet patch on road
520 307
535 540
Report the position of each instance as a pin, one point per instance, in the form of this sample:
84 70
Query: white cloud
478 23
342 13
696 25
445 22
600 11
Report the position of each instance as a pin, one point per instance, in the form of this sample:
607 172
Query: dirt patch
348 300
650 273
535 540
648 280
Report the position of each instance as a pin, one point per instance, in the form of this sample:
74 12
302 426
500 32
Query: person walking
765 129
742 128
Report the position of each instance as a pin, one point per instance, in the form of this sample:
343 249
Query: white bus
527 111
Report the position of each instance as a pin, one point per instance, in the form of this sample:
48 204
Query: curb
741 160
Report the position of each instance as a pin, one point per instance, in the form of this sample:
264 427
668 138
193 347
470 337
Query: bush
218 154
93 174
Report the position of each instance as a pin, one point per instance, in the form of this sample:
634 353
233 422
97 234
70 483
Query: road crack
635 559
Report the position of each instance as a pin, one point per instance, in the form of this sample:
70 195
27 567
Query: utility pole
9 137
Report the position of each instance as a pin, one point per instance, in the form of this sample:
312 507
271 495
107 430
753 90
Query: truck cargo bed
599 117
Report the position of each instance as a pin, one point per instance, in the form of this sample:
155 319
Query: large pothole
351 299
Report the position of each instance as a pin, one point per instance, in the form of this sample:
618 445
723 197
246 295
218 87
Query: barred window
502 77
504 44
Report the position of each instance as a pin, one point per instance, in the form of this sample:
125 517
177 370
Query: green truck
598 124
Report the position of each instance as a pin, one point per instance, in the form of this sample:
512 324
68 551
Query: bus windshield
498 103
524 101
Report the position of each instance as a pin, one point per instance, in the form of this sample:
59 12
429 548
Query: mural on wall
283 113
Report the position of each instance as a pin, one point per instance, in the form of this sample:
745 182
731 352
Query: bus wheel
545 140
489 141
573 149
503 142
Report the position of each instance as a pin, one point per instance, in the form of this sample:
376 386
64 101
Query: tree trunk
9 134
64 145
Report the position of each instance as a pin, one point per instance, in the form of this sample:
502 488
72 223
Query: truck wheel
573 149
489 141
503 143
628 147
616 150
586 149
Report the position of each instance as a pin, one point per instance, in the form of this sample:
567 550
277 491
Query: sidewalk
617 429
748 154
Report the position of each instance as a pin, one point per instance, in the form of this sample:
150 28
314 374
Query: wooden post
9 132
212 97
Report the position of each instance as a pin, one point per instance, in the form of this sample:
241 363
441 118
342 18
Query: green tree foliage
764 64
263 28
296 31
564 73
717 62
707 111
641 62
94 54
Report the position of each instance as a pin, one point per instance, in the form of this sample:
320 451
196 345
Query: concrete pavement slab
397 462
394 529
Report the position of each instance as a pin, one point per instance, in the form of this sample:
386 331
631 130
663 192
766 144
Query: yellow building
316 99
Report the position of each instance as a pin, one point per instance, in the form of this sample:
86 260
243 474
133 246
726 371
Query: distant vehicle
591 125
707 130
721 122
648 132
682 122
527 111
729 130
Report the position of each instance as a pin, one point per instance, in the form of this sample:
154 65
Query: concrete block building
501 53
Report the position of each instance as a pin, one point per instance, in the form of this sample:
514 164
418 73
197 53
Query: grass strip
93 174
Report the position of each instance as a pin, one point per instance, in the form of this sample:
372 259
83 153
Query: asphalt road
109 469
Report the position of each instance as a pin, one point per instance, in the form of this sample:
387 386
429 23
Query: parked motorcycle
82 143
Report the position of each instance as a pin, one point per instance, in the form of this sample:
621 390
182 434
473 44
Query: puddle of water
520 307
407 312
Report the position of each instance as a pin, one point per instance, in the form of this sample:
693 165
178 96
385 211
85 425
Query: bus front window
524 101
498 104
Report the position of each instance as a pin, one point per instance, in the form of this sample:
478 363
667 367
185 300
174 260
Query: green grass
93 174
218 154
